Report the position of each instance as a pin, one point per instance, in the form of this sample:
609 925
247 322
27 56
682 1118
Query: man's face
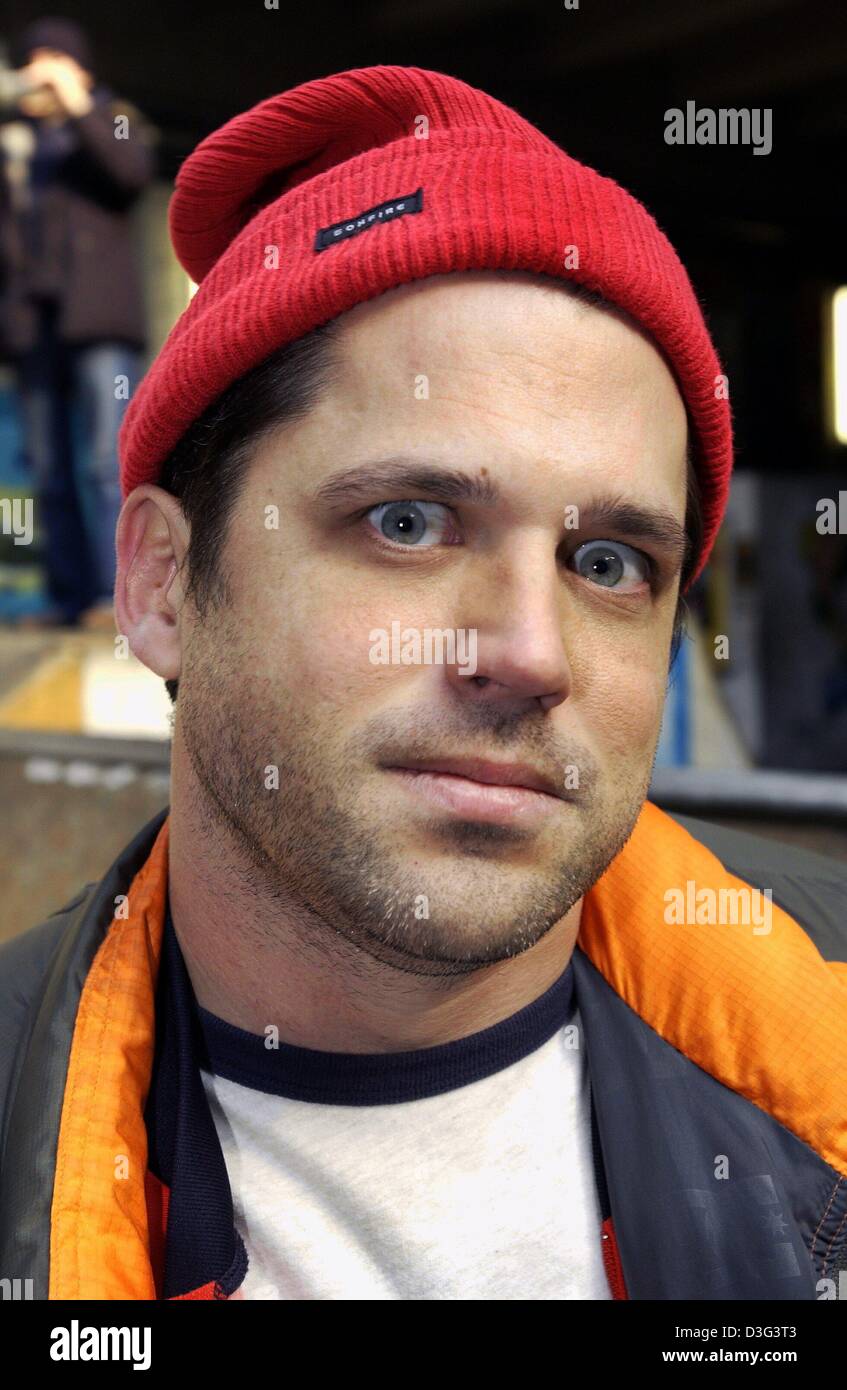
558 407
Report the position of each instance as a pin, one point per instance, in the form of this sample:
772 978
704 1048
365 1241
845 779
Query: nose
514 605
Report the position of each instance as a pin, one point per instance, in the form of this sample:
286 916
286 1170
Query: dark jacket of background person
66 230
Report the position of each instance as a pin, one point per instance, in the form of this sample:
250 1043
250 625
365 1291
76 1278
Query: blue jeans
70 415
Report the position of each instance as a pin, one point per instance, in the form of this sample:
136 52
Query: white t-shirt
462 1171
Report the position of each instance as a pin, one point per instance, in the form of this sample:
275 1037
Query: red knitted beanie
371 178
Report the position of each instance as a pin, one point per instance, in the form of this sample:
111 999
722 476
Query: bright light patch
839 364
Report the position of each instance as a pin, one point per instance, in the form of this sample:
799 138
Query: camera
13 83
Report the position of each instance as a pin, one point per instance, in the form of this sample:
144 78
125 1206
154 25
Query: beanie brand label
383 212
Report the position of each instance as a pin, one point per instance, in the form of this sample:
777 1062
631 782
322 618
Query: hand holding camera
51 84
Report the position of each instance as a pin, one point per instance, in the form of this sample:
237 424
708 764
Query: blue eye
404 523
611 564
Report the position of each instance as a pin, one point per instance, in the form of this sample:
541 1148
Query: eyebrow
409 479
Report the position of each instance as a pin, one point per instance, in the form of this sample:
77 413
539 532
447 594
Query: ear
152 542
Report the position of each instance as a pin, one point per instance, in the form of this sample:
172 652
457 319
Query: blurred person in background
74 159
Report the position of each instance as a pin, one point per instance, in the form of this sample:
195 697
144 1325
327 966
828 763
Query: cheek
624 708
319 642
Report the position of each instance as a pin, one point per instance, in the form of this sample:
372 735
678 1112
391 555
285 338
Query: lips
483 770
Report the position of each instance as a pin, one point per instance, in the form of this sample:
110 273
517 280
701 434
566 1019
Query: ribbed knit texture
497 194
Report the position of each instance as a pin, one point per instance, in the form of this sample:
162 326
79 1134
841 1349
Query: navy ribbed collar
384 1078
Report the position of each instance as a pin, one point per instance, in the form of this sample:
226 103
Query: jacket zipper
608 1242
612 1260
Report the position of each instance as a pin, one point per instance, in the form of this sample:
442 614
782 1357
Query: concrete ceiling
597 79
